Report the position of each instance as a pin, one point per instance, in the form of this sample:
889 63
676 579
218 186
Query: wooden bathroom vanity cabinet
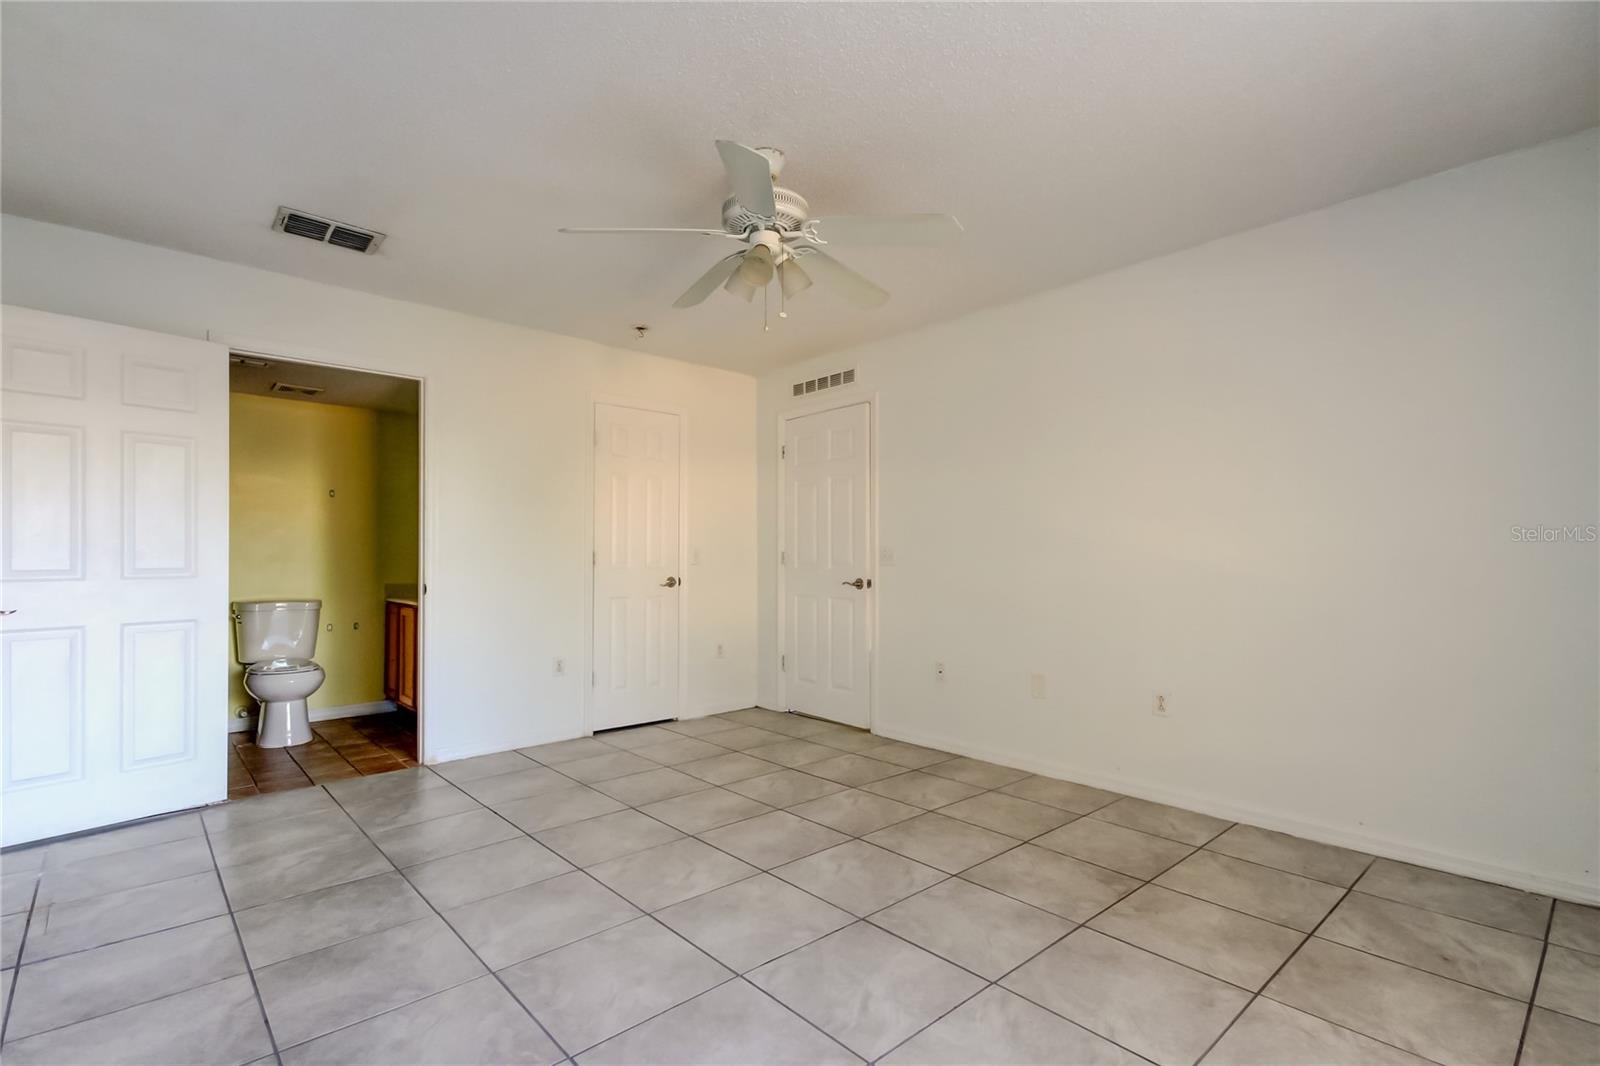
400 653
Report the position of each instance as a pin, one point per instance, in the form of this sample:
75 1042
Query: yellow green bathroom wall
318 509
399 501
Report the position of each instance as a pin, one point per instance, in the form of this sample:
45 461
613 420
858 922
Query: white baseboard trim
322 714
1575 891
452 754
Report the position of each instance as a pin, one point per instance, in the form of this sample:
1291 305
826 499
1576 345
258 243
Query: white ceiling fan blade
721 271
887 231
647 229
749 176
834 275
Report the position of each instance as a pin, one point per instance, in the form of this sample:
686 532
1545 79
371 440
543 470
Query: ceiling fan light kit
779 235
792 279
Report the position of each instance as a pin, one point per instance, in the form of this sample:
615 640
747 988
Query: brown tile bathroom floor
342 748
736 890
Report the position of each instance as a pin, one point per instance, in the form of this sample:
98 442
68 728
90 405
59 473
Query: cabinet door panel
408 658
391 651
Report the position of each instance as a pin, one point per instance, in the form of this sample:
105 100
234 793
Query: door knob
858 583
670 583
7 614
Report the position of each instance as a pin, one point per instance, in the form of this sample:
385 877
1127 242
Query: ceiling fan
781 239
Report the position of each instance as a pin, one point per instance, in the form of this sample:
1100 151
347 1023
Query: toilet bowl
281 689
275 640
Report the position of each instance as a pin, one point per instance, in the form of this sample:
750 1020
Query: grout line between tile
736 975
135 1006
16 970
996 981
1538 975
1260 994
864 919
642 913
489 969
127 939
1358 890
244 956
947 877
1209 850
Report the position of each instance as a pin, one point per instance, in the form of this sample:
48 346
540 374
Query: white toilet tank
266 630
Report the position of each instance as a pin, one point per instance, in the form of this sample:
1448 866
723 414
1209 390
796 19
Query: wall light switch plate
1162 707
885 556
1036 686
694 556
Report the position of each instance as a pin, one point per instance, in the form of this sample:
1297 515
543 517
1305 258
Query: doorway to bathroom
325 522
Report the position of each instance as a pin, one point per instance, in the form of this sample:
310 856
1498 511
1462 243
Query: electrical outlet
938 671
1162 706
722 652
1036 686
559 666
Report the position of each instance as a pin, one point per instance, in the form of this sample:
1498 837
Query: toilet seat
283 666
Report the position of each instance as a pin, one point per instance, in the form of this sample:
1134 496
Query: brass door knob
670 583
858 583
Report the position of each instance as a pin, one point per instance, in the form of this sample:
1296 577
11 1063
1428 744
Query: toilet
275 641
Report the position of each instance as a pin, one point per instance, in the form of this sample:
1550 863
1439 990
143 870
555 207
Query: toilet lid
282 666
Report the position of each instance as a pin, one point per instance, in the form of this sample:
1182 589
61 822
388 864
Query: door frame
784 418
596 400
294 353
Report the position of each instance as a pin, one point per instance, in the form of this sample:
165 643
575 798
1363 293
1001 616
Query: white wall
1274 476
506 440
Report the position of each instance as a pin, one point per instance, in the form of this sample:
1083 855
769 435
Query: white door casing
637 570
113 571
827 547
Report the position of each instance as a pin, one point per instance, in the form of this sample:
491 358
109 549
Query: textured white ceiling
1070 139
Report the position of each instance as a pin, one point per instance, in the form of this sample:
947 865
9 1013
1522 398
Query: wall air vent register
826 381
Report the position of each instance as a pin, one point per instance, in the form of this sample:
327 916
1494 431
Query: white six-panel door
637 575
827 553
114 644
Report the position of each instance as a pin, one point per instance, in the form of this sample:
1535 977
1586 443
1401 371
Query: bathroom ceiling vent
326 230
295 390
826 381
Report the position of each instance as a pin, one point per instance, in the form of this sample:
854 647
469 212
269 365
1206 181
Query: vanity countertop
401 599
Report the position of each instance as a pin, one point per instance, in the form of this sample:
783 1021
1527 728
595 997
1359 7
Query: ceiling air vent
295 390
326 230
826 381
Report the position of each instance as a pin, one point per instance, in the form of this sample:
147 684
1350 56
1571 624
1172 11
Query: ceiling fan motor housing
792 213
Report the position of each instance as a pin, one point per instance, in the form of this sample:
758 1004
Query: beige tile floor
758 888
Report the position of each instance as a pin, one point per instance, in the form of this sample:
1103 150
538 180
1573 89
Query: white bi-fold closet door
114 643
638 575
827 564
